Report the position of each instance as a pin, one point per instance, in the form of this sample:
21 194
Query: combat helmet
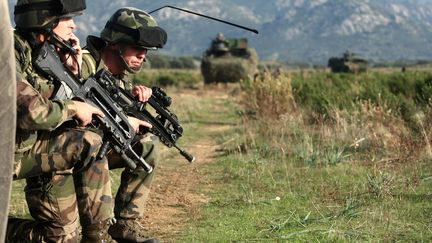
44 14
135 27
220 37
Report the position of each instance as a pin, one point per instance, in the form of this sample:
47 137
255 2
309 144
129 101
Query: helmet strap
125 65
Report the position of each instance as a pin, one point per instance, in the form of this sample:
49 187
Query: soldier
57 159
219 46
122 49
7 115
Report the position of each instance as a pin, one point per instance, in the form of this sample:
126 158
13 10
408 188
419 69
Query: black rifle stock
118 133
165 124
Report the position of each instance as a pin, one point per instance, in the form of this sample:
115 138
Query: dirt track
174 199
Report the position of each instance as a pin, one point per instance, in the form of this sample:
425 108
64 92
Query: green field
311 157
324 158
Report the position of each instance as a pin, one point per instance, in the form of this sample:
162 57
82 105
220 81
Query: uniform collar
95 45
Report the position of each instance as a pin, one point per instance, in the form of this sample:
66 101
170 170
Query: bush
169 62
169 77
403 93
316 109
269 97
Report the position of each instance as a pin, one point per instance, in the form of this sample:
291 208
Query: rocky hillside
295 30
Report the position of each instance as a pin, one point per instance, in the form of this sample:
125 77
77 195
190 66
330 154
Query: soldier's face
65 28
134 56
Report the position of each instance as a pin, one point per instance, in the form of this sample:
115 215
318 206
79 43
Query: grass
18 205
351 166
363 175
258 200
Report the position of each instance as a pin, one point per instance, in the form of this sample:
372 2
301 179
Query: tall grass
326 158
332 117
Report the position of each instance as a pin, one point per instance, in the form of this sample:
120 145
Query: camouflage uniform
135 184
57 160
8 112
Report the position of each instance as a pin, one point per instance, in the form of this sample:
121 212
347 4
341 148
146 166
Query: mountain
289 30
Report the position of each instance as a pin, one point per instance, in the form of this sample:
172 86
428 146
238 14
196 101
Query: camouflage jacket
35 111
92 62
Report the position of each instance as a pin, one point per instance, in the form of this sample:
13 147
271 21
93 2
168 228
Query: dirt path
174 199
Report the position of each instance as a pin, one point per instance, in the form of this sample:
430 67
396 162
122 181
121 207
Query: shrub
163 62
402 93
167 77
303 113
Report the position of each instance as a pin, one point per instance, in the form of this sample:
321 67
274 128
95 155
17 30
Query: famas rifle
118 133
165 123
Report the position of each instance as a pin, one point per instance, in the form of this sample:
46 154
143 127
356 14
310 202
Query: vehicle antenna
205 16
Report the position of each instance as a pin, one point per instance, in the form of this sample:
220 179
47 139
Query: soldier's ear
40 37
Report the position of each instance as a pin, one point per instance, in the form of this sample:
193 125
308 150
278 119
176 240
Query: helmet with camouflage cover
135 27
44 14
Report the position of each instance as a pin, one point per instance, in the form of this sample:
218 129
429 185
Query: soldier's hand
142 93
73 62
137 123
85 112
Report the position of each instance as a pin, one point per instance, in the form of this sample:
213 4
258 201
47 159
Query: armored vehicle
348 63
228 60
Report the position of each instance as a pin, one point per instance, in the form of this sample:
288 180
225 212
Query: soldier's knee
84 143
52 203
150 149
90 144
28 230
92 139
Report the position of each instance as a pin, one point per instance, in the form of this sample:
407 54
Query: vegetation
310 157
163 62
403 63
180 78
324 157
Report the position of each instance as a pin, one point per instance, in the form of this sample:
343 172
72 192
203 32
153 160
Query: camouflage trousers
62 175
135 184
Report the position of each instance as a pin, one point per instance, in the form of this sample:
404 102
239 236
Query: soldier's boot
23 230
129 230
97 233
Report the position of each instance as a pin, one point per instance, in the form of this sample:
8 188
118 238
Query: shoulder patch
21 52
22 56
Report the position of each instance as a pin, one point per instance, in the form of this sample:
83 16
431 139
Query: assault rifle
118 133
165 124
